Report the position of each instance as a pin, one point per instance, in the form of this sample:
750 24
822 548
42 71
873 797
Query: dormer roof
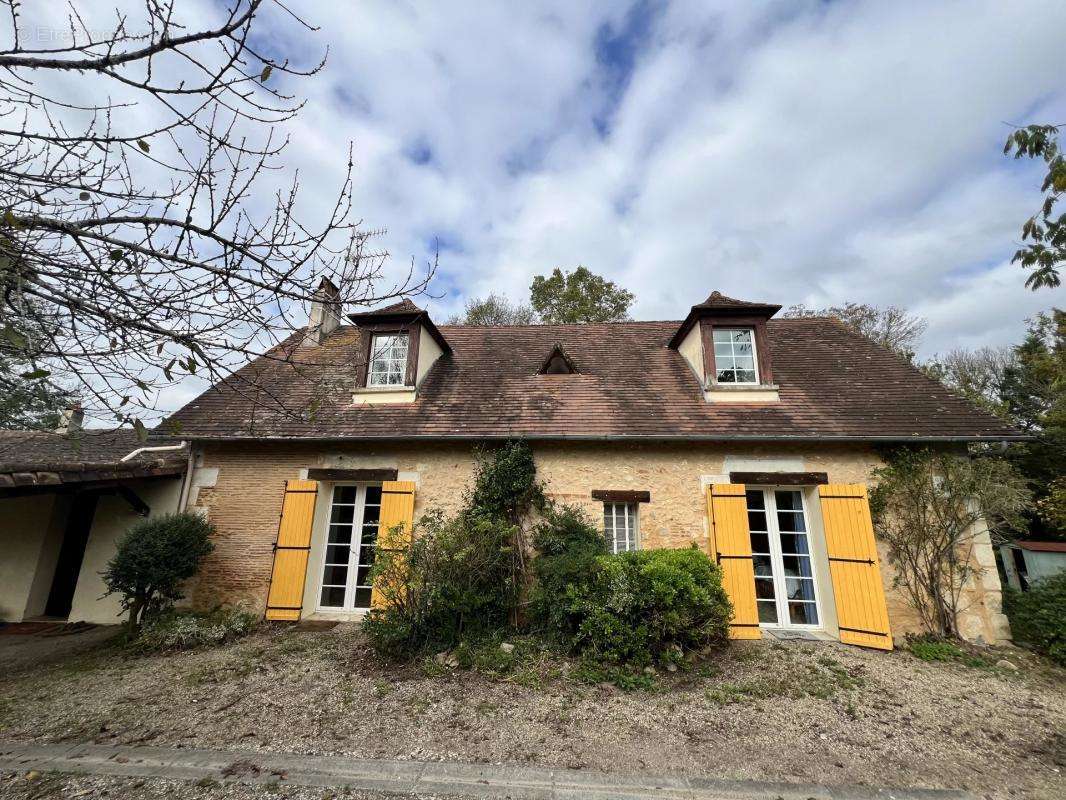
404 308
403 314
719 305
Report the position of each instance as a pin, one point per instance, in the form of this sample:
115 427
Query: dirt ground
792 711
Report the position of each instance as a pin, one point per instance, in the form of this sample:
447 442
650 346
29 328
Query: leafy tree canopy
1034 392
1044 233
578 296
29 400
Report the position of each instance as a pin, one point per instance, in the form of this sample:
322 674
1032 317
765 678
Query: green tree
892 327
29 400
153 560
495 309
578 296
1034 392
1044 233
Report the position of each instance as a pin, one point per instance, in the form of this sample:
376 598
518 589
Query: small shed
66 497
1026 561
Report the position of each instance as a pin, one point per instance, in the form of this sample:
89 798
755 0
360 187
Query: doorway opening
71 554
785 588
351 544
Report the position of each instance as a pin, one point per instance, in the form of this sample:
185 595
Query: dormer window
388 360
725 343
734 356
557 363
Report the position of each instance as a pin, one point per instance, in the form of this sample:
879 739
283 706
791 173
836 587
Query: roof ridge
543 325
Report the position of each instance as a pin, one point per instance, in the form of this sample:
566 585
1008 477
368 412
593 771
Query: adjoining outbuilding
1026 561
65 499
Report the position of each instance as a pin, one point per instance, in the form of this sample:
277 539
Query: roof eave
884 439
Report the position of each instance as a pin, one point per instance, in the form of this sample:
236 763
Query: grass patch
822 680
524 660
220 671
945 651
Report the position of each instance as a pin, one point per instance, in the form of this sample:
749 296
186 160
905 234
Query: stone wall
242 495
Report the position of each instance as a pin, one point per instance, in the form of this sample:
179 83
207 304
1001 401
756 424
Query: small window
388 360
734 355
620 526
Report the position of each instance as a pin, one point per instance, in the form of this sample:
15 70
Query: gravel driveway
793 711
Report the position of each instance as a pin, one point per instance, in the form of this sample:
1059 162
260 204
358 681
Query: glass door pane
367 546
781 557
351 543
338 547
765 589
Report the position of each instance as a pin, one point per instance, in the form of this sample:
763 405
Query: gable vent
557 363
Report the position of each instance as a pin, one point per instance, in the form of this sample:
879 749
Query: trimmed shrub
153 560
1038 617
646 606
186 630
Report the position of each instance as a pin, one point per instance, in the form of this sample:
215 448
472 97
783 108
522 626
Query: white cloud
795 152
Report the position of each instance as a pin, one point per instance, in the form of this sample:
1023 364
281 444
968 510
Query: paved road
466 780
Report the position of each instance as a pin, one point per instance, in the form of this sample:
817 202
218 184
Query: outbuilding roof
834 385
45 458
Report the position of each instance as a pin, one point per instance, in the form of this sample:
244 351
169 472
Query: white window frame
631 529
773 533
355 549
754 357
379 380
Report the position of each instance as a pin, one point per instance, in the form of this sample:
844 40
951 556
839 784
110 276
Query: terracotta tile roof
45 458
835 384
405 306
717 300
1043 547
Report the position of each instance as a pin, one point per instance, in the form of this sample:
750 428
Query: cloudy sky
791 151
813 152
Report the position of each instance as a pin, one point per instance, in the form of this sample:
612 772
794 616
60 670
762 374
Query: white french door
351 542
785 588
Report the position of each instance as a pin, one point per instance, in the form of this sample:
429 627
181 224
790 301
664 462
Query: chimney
325 312
70 420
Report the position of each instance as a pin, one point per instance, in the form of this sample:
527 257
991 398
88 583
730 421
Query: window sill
742 393
383 395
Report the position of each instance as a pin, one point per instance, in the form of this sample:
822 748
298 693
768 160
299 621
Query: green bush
1038 617
186 630
646 606
567 545
461 576
153 560
456 579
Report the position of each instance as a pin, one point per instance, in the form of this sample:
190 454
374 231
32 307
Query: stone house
751 437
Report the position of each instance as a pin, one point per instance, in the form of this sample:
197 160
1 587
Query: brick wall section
245 503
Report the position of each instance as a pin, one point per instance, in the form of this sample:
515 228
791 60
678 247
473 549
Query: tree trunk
133 624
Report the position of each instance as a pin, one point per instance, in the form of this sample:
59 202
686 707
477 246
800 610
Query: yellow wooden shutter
731 545
396 522
292 550
853 563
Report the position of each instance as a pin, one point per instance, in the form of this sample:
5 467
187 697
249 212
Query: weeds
628 679
821 680
927 648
